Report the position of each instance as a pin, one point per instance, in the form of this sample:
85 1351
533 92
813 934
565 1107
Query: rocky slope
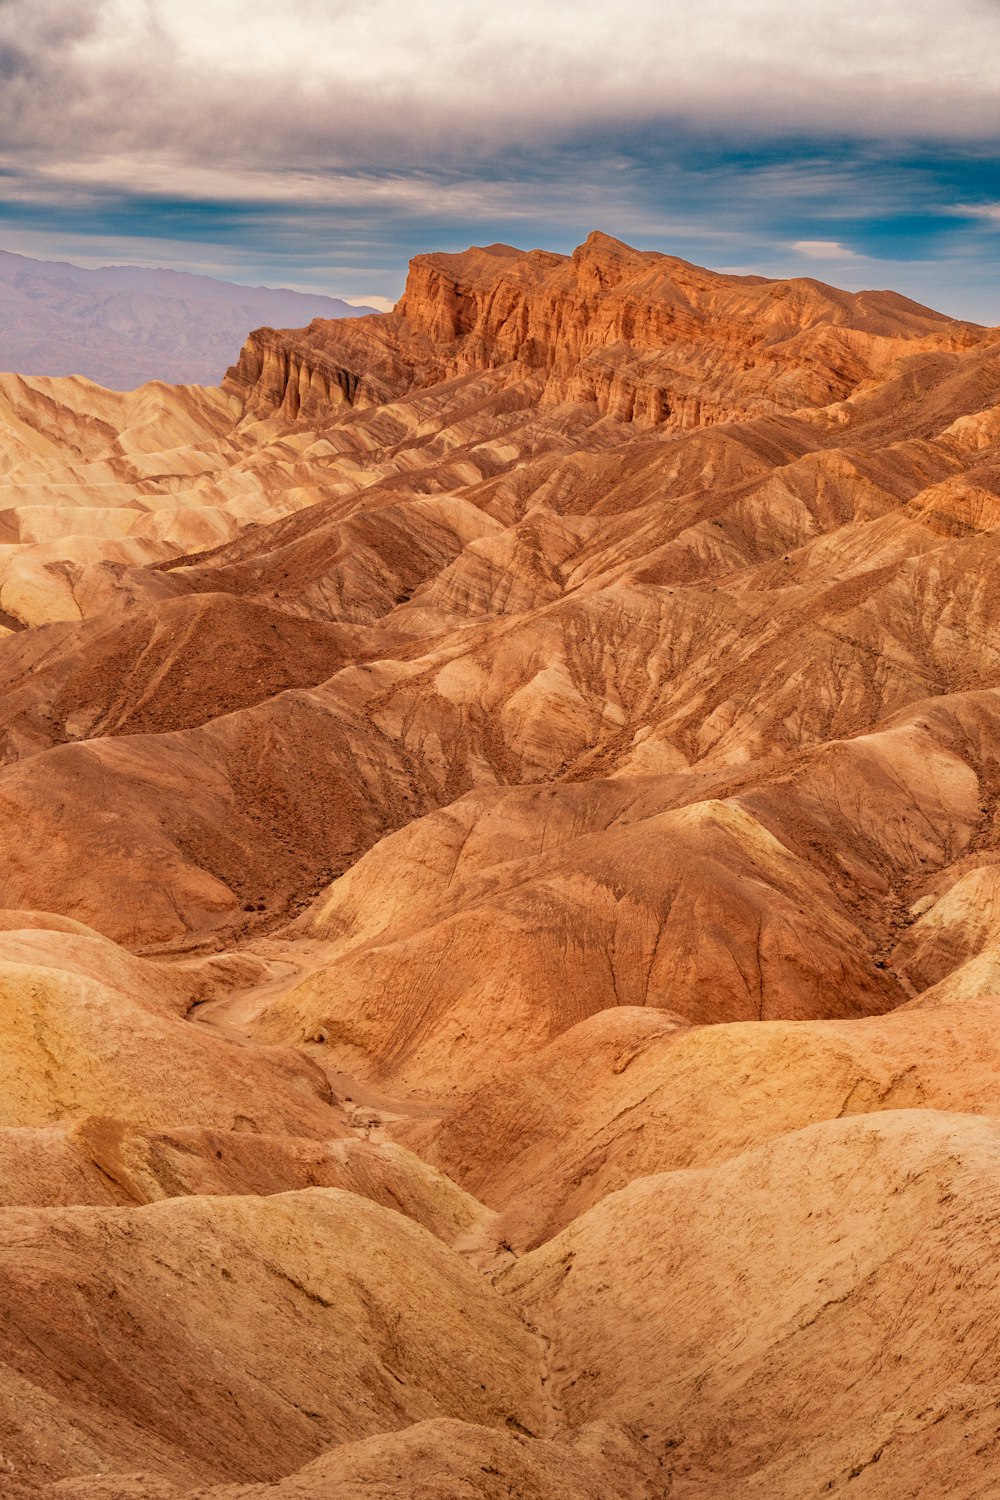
501 883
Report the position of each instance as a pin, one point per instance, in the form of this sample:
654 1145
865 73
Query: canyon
500 901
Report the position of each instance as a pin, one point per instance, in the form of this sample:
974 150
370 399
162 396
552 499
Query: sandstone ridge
642 336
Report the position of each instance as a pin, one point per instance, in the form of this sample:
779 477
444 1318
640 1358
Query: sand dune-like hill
864 1217
500 902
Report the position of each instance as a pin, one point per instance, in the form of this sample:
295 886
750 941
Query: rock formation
501 902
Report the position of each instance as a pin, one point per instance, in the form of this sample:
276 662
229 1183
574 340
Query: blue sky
319 145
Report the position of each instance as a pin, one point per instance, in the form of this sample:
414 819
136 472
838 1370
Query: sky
319 144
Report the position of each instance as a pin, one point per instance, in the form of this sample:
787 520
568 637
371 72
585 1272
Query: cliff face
644 337
283 380
294 374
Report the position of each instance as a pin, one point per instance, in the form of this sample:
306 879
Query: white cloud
227 85
381 304
825 250
851 62
988 211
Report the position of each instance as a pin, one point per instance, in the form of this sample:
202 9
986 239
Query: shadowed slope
325 1316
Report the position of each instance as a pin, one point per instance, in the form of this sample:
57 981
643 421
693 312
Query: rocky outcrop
643 337
311 374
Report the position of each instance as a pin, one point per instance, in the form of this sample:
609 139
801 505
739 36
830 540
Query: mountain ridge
123 326
634 331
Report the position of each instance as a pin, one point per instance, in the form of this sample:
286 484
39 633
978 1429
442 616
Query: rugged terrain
501 883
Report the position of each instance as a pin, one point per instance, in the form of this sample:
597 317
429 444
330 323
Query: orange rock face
644 337
500 876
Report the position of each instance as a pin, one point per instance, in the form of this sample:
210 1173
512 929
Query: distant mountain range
124 325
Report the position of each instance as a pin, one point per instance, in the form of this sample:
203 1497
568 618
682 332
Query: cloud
825 250
381 304
339 231
990 212
253 84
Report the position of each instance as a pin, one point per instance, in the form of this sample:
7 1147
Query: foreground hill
501 885
122 325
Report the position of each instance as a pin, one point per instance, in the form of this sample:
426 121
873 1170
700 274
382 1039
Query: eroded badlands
500 859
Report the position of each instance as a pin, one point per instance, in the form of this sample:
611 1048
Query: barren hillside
500 860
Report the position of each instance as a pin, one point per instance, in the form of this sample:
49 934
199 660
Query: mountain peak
645 337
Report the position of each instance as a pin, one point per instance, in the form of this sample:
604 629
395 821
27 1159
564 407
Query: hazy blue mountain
123 325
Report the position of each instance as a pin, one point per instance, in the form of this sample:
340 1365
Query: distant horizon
371 304
95 264
123 325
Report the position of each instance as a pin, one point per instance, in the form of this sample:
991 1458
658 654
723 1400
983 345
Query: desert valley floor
500 869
